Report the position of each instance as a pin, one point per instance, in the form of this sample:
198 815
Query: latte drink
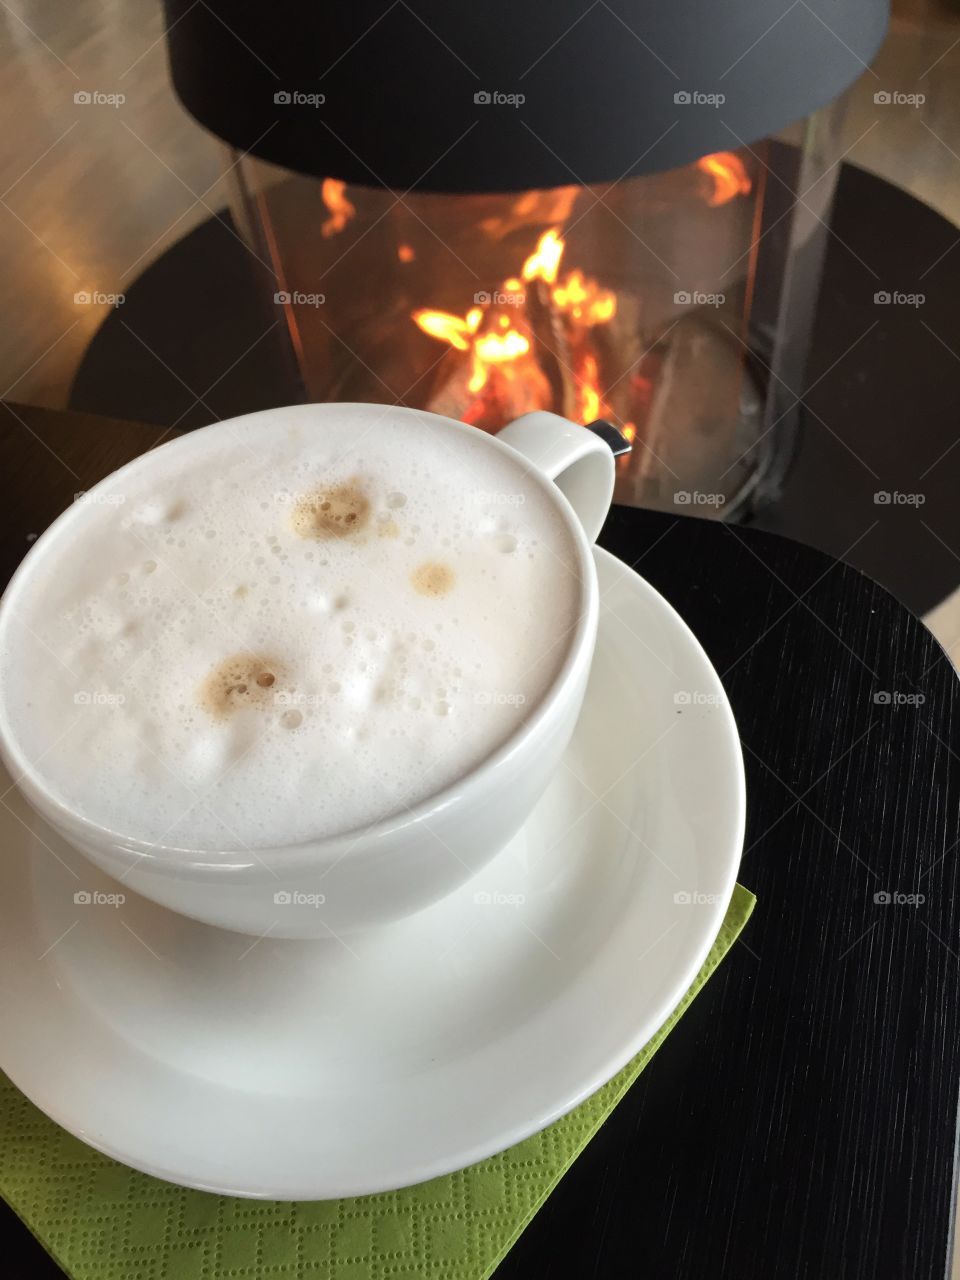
264 633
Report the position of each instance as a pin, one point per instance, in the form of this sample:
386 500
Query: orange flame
590 399
341 210
494 348
728 175
530 208
504 367
544 262
585 300
501 346
406 253
449 328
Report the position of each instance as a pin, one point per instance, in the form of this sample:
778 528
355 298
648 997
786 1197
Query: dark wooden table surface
801 1119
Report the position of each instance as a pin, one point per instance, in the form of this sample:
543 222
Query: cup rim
360 840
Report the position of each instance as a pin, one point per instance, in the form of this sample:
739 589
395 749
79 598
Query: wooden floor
90 192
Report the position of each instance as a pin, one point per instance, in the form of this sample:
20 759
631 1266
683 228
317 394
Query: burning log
552 348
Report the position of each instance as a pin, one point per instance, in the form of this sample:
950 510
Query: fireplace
482 253
660 304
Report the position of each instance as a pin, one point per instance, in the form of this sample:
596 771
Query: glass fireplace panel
655 303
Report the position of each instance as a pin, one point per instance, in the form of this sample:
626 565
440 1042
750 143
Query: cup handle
578 462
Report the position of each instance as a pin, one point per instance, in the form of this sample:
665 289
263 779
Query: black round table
800 1120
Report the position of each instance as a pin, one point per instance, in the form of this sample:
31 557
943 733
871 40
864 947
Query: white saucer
310 1070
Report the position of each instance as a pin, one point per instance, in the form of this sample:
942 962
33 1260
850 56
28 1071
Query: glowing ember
406 253
340 209
728 175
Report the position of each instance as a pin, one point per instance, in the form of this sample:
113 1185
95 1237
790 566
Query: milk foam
205 656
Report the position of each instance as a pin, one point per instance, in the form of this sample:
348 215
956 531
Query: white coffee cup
387 870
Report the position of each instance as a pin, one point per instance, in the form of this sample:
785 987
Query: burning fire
557 313
584 301
538 341
544 262
728 176
340 209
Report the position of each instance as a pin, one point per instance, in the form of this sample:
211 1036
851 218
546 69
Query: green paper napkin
103 1221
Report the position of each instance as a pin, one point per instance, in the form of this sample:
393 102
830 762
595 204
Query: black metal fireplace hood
502 95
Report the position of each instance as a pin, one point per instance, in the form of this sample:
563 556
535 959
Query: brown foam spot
332 513
432 578
243 680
